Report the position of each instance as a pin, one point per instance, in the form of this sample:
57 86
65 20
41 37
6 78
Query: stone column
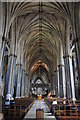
72 80
67 74
27 85
2 60
12 62
73 64
23 83
4 87
60 81
76 89
21 79
70 89
76 38
56 83
77 49
0 79
75 75
11 74
19 75
53 82
1 54
14 73
1 46
61 70
0 69
24 90
0 72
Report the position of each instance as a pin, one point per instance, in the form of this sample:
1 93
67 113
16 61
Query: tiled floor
39 104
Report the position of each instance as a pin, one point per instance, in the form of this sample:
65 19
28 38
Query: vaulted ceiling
40 30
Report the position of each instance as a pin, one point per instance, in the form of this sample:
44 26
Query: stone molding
23 70
18 64
67 56
61 65
12 55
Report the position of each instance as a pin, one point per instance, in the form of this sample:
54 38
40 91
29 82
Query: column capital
23 70
6 53
67 56
12 55
5 39
75 40
18 64
55 71
60 65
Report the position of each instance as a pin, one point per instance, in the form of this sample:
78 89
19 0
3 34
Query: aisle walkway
39 104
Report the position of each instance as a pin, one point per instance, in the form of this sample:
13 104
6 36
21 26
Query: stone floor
39 104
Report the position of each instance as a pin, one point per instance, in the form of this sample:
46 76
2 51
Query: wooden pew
67 110
22 105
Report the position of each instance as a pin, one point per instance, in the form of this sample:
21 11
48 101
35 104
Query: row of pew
19 109
69 111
